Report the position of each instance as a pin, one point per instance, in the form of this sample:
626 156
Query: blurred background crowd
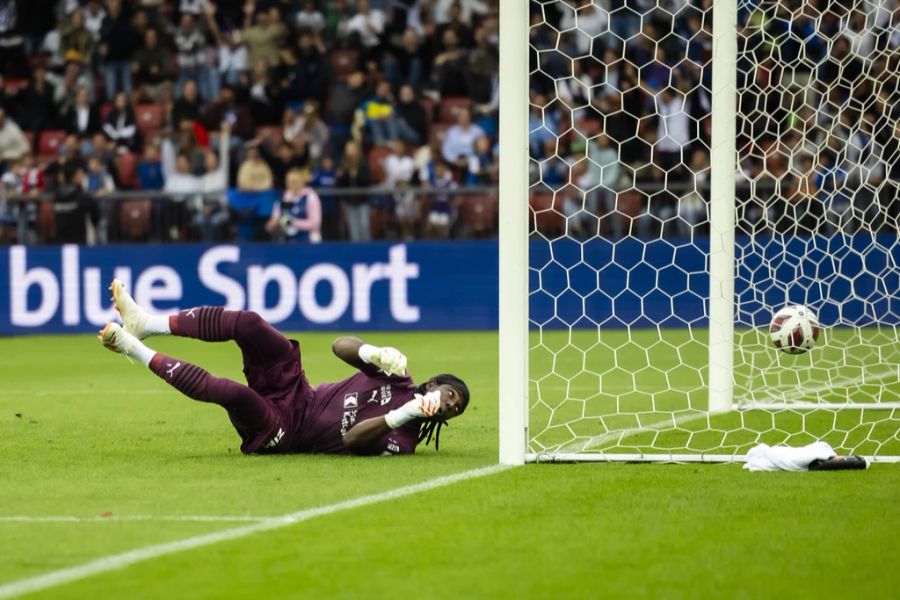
309 120
337 119
620 121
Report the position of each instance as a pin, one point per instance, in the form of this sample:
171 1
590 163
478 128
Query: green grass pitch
85 434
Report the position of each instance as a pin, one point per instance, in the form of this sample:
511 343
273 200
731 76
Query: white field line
129 518
118 561
788 397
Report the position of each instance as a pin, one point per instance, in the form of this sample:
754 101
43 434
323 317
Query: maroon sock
208 323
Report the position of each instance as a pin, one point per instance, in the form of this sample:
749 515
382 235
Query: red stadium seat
150 118
105 109
546 218
450 107
135 219
46 221
14 86
376 162
479 213
50 140
127 170
428 104
344 62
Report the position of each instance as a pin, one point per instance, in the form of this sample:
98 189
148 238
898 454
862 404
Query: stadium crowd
620 125
370 119
319 119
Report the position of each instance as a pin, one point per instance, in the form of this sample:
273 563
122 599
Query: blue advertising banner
452 285
344 287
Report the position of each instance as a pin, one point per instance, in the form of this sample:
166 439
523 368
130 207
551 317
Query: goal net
685 182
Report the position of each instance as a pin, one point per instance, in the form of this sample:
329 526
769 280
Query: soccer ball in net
794 329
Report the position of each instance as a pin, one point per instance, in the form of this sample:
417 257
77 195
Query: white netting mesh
619 143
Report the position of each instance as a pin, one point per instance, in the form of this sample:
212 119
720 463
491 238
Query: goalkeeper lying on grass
379 410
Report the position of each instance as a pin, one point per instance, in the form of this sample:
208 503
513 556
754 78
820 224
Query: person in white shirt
591 20
442 10
459 140
674 128
368 24
399 171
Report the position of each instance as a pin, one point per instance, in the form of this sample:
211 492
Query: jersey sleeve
402 440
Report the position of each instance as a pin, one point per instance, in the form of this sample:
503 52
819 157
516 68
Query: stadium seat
150 118
451 106
479 213
127 170
344 62
14 86
546 218
50 140
135 219
46 221
376 162
428 104
105 109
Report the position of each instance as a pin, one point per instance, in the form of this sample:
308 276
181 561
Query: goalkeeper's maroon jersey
336 407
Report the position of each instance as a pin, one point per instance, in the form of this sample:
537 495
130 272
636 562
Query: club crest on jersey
351 400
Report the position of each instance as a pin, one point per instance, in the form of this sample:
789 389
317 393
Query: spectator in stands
74 208
97 181
254 174
13 144
33 24
266 37
459 141
407 64
307 78
66 87
149 169
449 71
94 16
309 19
188 107
152 65
601 181
226 110
83 119
120 125
365 28
193 57
673 129
483 65
377 119
440 205
411 112
483 169
325 178
117 45
399 173
345 99
78 44
233 59
298 217
354 173
266 101
309 125
280 161
38 108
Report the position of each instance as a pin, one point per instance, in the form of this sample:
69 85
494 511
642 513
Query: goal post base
660 458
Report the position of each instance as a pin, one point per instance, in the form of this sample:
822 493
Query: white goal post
626 368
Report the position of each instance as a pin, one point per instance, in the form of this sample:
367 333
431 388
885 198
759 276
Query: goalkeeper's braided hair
432 427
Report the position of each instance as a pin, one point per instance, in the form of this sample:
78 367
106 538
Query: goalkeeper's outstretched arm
367 357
